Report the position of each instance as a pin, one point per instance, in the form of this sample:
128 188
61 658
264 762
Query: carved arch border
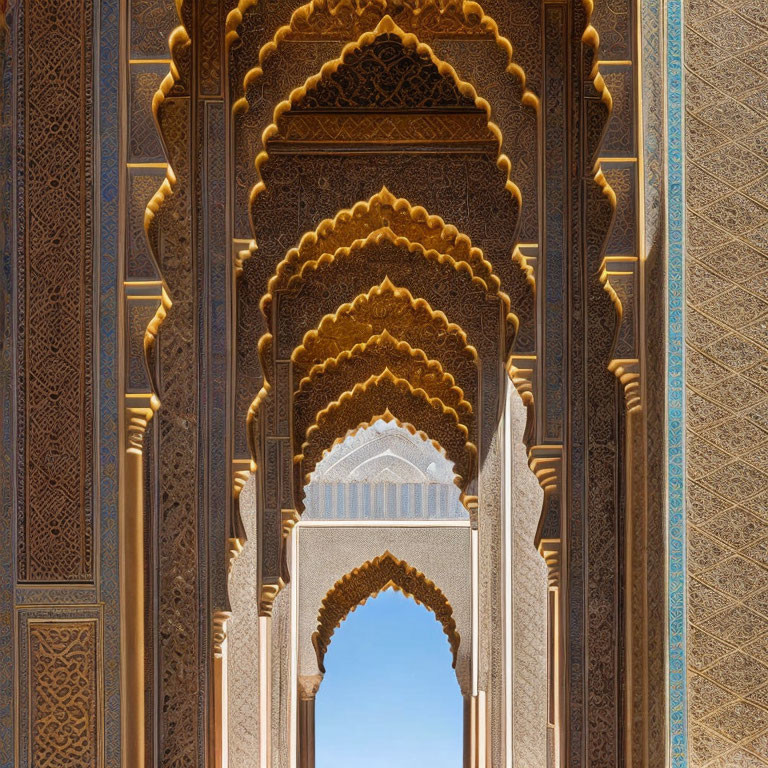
303 13
409 40
373 577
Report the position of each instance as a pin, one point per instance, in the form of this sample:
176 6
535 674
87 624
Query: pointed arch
387 307
385 396
427 17
386 27
383 211
448 286
327 381
374 576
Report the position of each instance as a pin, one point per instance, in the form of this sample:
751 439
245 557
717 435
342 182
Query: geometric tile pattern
726 79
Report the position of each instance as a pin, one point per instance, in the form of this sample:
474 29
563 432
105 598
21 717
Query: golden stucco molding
383 572
138 410
179 43
317 442
409 40
546 462
488 281
472 12
302 355
326 380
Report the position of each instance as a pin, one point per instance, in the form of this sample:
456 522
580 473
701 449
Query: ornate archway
374 576
329 263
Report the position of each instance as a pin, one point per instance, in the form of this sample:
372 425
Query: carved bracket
546 462
522 372
550 550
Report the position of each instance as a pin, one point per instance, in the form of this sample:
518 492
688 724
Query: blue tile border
676 566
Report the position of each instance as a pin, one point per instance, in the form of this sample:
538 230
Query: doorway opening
390 694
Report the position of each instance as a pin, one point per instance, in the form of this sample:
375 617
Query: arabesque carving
381 573
386 396
449 287
55 283
340 19
376 248
64 693
384 212
384 75
390 308
428 18
388 30
327 381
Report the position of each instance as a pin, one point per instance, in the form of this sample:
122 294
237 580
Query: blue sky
390 696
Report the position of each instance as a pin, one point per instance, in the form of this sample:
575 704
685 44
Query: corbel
620 278
522 372
546 462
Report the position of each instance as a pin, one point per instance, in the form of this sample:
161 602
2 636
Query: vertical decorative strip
55 251
7 442
107 207
678 739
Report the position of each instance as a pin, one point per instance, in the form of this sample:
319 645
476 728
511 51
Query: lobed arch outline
469 501
328 379
468 7
375 576
385 26
453 440
438 318
383 340
313 337
439 236
434 233
385 234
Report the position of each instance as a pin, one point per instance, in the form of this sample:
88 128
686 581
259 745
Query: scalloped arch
386 307
472 12
328 380
374 576
386 396
385 27
382 210
286 281
450 285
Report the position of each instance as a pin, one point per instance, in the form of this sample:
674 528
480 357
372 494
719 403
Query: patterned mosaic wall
726 62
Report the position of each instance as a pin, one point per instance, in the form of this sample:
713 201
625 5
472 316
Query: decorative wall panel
726 384
7 405
63 689
60 695
55 281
